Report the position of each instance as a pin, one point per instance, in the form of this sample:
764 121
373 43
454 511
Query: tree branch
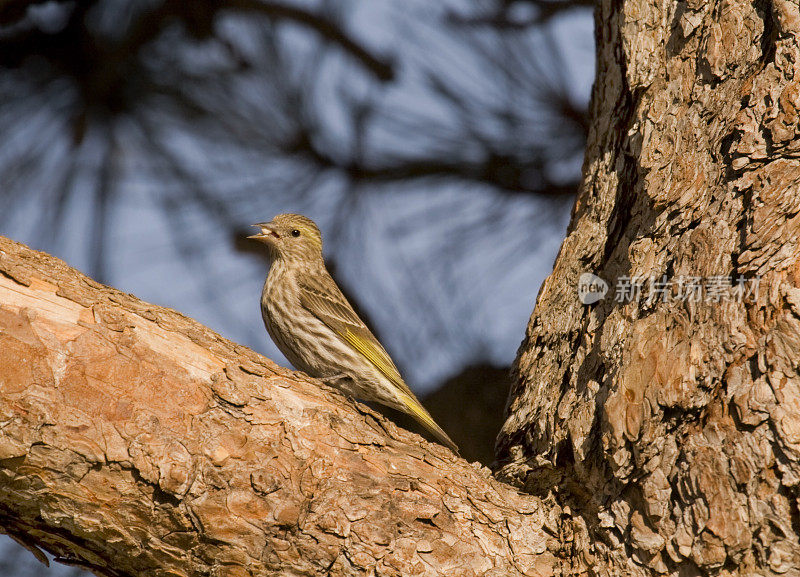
135 441
65 48
502 18
382 69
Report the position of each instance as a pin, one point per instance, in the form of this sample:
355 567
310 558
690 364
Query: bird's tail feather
413 407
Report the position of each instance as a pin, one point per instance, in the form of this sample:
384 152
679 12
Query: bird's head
291 237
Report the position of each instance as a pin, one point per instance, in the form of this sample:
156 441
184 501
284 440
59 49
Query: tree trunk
670 423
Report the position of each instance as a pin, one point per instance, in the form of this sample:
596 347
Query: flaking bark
673 428
136 442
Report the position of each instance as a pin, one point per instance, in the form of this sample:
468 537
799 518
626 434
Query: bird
318 331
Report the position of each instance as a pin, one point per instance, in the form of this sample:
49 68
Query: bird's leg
342 382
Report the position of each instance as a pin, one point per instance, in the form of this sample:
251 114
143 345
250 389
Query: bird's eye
295 232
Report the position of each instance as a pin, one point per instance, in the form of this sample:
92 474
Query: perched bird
314 326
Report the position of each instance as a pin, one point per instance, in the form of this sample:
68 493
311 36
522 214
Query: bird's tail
413 407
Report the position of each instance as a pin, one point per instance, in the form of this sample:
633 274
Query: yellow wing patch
323 299
377 356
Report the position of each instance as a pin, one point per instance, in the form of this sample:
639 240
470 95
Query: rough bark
672 429
135 442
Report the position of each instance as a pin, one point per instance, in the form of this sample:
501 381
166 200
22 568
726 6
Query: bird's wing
322 298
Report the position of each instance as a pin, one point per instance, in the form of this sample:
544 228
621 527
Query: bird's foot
333 380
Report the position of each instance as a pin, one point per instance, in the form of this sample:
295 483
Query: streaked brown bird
316 328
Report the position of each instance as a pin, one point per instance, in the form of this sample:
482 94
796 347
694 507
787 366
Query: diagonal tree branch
134 441
383 69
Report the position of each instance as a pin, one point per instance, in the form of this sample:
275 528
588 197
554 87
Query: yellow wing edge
407 398
374 356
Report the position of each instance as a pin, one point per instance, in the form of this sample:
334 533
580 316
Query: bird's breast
297 333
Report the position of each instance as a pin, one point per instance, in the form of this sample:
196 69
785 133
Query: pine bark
136 442
671 427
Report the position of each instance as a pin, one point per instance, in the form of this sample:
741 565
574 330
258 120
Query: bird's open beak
267 232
